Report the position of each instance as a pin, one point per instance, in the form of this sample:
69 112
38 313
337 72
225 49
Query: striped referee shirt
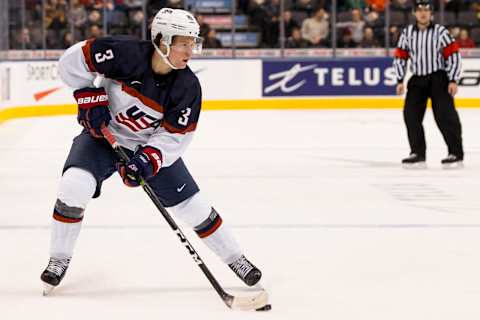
429 50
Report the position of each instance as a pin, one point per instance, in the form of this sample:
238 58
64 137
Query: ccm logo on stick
94 99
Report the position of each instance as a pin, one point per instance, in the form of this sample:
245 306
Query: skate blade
453 166
415 166
47 289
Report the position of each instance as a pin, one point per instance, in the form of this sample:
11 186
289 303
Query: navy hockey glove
145 163
93 110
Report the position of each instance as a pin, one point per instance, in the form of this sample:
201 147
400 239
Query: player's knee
193 211
77 187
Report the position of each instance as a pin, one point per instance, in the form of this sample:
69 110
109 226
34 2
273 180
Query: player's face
423 15
181 50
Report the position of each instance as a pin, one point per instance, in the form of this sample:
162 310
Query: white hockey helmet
176 22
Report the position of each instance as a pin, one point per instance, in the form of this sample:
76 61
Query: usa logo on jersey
137 120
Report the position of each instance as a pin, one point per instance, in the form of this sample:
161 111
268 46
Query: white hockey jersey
146 108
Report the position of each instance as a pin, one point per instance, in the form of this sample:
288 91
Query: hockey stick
258 302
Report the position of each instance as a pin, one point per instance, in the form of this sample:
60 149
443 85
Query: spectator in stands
78 15
354 4
394 32
132 4
270 38
475 6
316 29
289 23
55 14
211 41
67 40
55 22
94 32
455 5
34 14
136 18
374 20
295 40
454 31
464 40
36 34
175 4
93 4
243 6
402 5
355 25
23 40
369 40
108 8
307 5
376 5
34 22
95 18
204 27
257 15
346 40
264 15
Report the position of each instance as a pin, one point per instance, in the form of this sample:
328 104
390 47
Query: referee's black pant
434 86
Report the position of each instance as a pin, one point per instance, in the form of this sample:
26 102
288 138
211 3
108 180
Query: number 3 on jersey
183 120
101 57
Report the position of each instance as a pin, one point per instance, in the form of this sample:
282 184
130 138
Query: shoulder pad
118 57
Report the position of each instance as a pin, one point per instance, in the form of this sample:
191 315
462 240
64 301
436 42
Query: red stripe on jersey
145 100
121 119
173 129
87 50
450 49
401 54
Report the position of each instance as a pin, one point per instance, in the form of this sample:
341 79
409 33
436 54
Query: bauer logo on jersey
329 77
136 120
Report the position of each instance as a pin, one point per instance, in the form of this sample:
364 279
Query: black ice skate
246 271
414 161
452 162
54 273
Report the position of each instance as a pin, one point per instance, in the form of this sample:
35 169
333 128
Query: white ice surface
317 199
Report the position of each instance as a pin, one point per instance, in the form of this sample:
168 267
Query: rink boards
33 88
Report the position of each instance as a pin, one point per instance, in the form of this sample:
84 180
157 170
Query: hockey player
150 100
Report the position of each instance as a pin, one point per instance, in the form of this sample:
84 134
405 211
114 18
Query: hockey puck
267 307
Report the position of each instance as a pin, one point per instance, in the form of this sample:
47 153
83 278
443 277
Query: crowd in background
307 24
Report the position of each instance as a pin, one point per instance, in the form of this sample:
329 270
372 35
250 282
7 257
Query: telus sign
329 77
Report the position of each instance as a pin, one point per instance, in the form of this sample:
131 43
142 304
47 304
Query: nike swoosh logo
42 94
179 189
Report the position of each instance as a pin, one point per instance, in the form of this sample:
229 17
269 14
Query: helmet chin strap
165 56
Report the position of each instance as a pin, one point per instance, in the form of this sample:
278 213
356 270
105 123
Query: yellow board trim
36 111
263 104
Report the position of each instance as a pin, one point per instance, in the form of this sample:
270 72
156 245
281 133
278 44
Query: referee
436 64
